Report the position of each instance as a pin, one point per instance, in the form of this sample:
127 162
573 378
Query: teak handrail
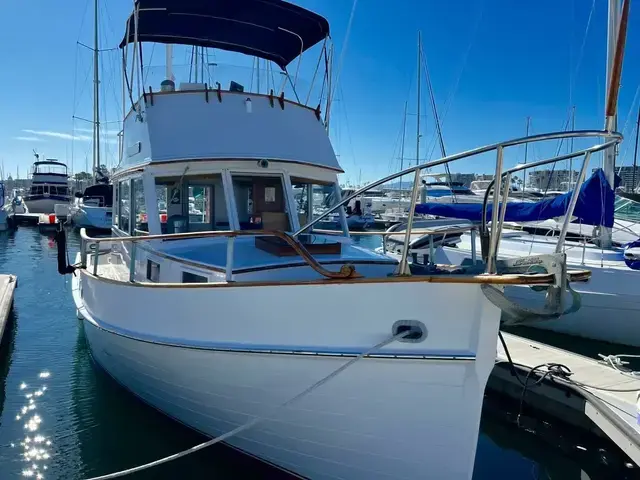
346 271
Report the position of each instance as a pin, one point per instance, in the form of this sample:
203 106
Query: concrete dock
7 287
584 398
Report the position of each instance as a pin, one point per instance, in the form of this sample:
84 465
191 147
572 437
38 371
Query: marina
210 298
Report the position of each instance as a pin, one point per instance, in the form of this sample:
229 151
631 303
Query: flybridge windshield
49 168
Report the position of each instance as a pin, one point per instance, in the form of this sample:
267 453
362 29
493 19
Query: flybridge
269 29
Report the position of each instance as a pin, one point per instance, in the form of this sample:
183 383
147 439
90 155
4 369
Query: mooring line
254 421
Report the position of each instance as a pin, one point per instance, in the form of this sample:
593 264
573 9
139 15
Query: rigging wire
342 53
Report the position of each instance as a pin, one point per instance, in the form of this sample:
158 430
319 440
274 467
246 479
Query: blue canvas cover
595 205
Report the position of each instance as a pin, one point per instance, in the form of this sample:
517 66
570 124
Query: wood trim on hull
511 279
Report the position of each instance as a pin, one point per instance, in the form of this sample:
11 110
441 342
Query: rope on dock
254 421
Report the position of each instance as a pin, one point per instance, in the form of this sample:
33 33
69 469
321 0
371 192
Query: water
61 417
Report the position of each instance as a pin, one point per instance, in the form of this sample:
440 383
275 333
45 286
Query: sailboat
220 321
612 292
93 208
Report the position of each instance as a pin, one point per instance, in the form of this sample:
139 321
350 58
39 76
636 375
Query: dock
594 408
8 285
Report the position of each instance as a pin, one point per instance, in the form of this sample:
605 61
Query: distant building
550 179
464 178
626 175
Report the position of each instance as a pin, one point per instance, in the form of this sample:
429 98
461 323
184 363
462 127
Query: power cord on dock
559 371
256 420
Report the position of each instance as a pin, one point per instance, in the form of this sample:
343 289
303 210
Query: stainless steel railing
612 139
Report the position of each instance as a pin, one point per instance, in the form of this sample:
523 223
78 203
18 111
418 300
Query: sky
492 63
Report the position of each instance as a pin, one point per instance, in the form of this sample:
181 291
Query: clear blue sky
520 59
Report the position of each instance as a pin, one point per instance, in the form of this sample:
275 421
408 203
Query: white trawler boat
225 323
49 186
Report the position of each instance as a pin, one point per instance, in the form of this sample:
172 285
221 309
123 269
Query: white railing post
494 212
96 250
229 267
473 246
404 263
132 262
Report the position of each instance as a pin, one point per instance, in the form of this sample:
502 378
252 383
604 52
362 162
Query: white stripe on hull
379 419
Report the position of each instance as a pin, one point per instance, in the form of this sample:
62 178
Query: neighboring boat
598 243
49 186
226 325
93 208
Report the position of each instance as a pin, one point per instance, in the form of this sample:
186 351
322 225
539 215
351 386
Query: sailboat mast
418 102
617 32
573 128
635 154
96 96
526 151
404 130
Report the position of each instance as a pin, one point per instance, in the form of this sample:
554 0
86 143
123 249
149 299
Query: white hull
610 310
413 413
42 205
84 216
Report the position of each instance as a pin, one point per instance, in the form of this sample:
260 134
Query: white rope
252 422
616 362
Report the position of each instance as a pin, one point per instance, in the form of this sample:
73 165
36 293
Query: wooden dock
614 413
8 285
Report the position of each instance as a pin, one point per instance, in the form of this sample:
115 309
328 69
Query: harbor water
61 417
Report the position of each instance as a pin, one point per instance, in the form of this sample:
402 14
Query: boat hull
409 412
44 204
610 301
91 217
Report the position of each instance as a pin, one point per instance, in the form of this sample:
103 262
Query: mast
404 130
526 151
573 127
418 102
96 97
617 31
635 154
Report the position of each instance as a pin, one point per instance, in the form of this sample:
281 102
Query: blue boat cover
595 205
271 29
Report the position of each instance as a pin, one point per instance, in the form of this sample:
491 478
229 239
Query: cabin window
46 189
153 271
313 198
139 206
188 277
261 203
37 190
193 203
124 206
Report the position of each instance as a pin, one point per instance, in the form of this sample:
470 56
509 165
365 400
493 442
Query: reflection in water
35 446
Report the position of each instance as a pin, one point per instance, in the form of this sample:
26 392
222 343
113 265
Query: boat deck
247 256
615 413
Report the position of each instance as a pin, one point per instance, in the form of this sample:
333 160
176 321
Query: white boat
93 208
225 325
49 186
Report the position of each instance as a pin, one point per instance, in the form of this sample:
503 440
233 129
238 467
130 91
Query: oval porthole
415 331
